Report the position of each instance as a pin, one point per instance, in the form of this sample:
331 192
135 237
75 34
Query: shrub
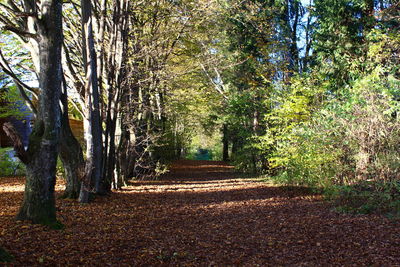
10 165
353 138
349 147
367 197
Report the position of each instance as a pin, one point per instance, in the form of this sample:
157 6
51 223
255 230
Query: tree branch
20 84
19 148
20 32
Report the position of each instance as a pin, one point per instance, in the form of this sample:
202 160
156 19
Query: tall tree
28 69
44 26
108 32
93 129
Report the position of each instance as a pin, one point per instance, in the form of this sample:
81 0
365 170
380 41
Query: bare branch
20 84
216 85
19 148
20 32
25 14
13 6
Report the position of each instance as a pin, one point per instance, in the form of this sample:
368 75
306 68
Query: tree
93 129
44 27
27 69
102 57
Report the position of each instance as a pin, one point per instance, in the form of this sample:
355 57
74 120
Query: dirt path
201 214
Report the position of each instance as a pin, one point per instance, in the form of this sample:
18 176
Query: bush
10 165
354 138
313 154
367 197
349 147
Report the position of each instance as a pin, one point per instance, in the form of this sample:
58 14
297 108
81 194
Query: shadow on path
203 214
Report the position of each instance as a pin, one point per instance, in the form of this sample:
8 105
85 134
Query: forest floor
200 214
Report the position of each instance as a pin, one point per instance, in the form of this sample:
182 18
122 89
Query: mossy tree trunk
41 157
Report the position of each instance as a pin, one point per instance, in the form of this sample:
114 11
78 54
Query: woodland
214 132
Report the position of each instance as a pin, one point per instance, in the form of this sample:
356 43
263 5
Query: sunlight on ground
234 205
192 221
12 188
226 185
17 184
206 166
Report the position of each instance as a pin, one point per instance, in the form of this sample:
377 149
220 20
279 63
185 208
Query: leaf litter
200 214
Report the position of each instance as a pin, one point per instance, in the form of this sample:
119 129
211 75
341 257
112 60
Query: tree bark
70 153
92 124
39 201
19 148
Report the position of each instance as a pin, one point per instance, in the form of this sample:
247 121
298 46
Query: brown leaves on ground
201 214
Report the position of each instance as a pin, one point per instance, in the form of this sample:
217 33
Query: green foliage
352 137
60 171
210 142
337 126
12 105
19 61
245 119
367 197
9 165
340 38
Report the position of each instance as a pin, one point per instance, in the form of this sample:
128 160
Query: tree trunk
124 159
225 143
235 146
308 41
70 153
109 154
93 131
291 17
39 201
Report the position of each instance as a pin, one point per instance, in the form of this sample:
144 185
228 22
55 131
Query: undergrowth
366 198
9 165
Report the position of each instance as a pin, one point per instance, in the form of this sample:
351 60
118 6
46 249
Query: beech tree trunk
70 153
39 201
92 124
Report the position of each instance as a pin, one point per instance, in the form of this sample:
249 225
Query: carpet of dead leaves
200 214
